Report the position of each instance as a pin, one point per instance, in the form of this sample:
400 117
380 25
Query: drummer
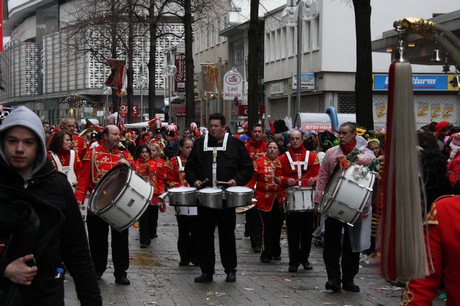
299 168
187 217
217 157
355 238
96 163
270 197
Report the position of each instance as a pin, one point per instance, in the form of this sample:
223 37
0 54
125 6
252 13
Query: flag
117 78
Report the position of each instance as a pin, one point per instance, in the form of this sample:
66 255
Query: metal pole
106 108
142 100
299 61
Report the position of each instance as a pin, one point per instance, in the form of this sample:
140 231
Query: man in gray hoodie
41 230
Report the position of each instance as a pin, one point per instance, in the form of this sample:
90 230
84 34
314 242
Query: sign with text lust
233 85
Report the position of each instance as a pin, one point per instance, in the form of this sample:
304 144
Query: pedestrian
187 217
256 146
217 157
153 171
96 163
442 231
354 239
299 168
270 199
41 230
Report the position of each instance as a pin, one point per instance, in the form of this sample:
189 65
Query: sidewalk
157 279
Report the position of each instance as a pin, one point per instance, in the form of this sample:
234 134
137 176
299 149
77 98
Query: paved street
157 279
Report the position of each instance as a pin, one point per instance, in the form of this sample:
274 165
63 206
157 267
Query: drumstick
222 183
205 181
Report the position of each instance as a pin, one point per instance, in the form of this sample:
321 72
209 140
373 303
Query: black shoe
153 235
98 275
122 281
256 249
144 245
292 269
246 234
204 278
276 257
265 259
184 263
334 285
231 277
350 286
307 265
195 262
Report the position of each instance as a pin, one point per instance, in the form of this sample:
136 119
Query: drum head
210 190
239 189
182 189
109 188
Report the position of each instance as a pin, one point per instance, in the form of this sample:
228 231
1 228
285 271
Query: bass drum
347 193
121 197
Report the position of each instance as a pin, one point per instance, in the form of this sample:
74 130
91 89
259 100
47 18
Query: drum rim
95 192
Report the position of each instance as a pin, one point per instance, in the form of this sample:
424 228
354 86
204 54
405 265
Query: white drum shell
182 196
347 196
210 197
299 199
237 196
128 205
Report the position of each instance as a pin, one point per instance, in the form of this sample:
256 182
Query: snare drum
182 196
299 199
237 196
211 197
186 211
346 195
121 197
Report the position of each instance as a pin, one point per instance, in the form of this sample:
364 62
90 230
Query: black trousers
253 227
98 234
187 243
299 228
272 222
225 220
148 223
336 244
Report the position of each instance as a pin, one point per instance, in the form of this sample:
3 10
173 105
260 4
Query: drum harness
187 211
214 155
299 165
67 170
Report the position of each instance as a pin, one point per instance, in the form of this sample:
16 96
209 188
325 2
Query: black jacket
61 236
233 163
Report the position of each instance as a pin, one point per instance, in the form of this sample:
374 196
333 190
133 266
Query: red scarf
346 149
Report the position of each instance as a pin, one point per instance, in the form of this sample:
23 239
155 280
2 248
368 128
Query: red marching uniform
96 163
64 158
174 176
266 179
442 239
270 199
299 225
256 148
155 172
79 145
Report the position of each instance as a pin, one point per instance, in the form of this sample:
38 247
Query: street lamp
171 70
293 15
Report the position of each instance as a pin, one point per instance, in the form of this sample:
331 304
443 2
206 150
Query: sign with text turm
233 85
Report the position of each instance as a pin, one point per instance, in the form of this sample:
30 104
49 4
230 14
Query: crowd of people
281 165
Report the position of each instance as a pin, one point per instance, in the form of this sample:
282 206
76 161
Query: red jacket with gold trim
266 179
174 176
442 238
155 172
308 176
256 148
96 163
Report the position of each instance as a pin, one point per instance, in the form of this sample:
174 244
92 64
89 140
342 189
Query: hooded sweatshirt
22 116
